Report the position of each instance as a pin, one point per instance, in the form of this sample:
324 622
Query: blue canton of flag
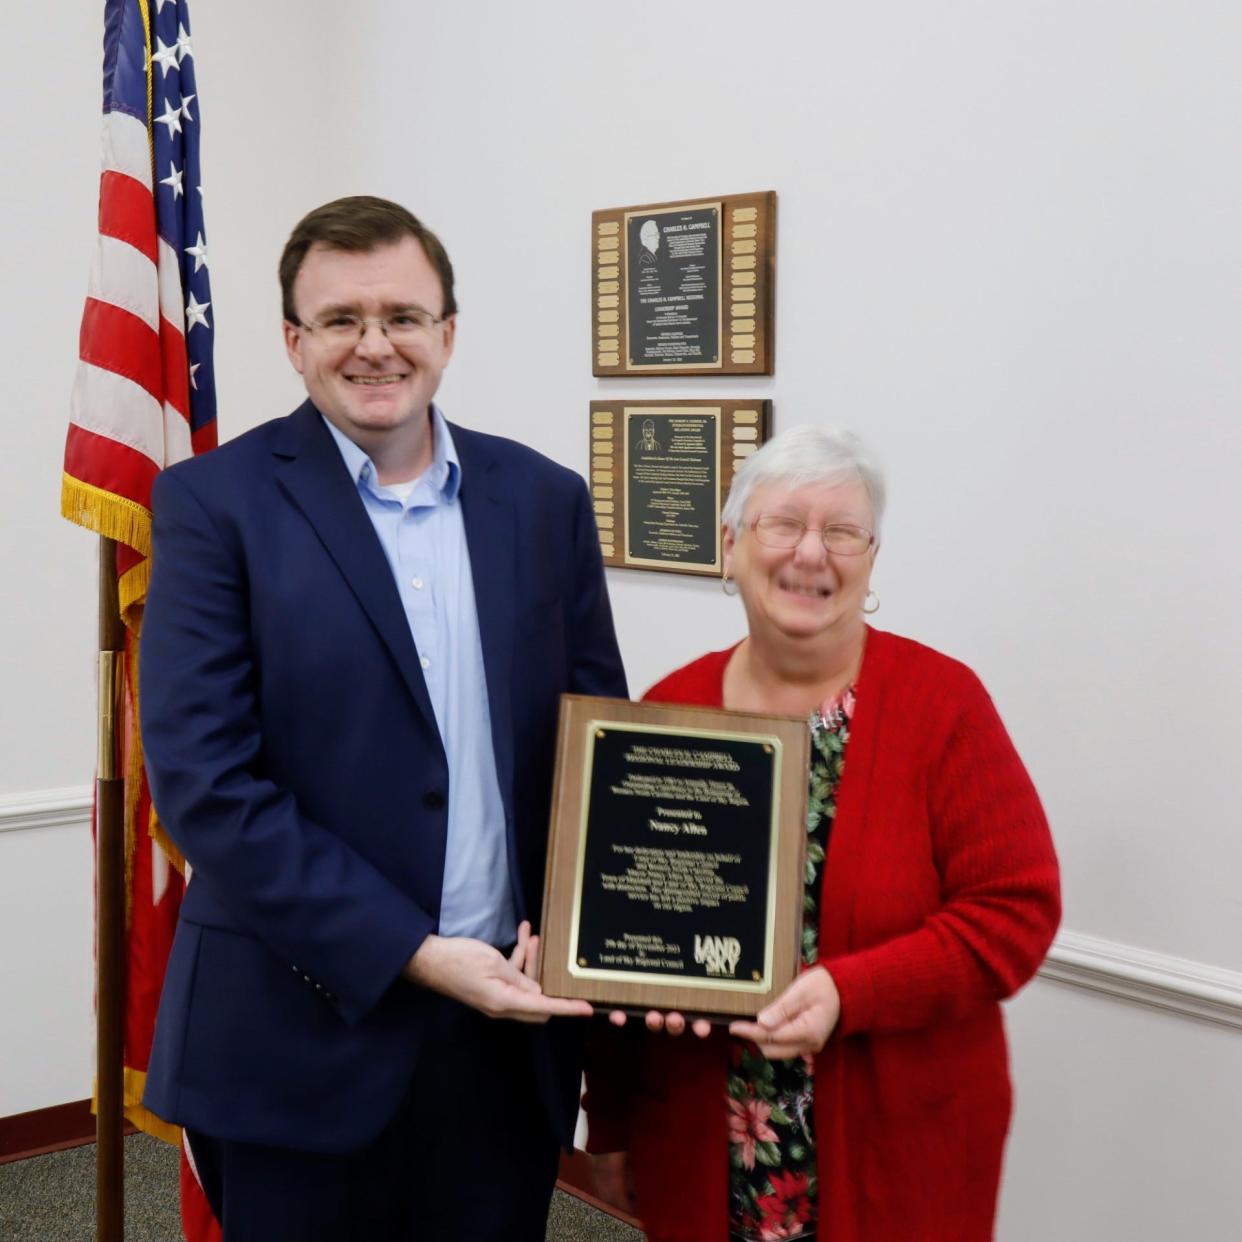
179 198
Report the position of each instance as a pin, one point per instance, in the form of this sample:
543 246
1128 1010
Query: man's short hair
360 223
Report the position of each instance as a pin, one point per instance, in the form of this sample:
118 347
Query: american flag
145 394
144 398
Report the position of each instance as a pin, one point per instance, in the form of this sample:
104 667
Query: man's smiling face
370 389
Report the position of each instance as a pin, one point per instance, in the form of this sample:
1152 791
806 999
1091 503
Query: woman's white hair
802 455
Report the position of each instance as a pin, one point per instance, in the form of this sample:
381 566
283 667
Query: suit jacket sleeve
595 662
284 879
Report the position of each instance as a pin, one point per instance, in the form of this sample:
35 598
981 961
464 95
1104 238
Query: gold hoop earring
725 583
871 595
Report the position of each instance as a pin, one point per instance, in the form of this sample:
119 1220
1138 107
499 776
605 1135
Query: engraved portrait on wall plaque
684 288
660 471
675 857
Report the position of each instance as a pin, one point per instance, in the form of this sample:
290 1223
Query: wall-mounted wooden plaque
684 288
675 856
660 471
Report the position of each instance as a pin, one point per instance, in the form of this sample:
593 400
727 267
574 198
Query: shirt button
416 583
426 663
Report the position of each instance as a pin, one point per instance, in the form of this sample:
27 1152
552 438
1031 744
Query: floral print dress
772 1183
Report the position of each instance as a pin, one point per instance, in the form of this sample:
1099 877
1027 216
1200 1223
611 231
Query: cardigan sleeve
1000 892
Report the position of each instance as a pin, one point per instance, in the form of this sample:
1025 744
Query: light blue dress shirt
420 527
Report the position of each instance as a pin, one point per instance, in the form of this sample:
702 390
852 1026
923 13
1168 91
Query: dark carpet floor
52 1199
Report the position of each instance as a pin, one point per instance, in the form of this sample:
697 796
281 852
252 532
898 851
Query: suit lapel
488 514
313 475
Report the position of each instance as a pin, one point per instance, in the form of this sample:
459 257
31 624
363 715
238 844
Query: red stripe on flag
176 368
204 438
117 340
109 465
127 212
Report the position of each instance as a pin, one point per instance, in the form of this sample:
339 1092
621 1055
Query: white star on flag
196 313
159 6
171 118
184 48
185 107
199 251
194 367
174 179
165 57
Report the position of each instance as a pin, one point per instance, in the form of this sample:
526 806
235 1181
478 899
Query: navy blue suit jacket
295 760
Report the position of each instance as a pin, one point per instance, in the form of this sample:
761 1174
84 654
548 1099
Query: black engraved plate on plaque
672 284
672 487
677 858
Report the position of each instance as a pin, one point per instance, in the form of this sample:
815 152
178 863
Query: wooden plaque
660 472
684 288
675 857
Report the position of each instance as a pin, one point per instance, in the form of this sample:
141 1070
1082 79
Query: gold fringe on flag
106 514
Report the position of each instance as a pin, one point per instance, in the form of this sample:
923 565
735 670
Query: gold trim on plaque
608 302
610 286
746 213
603 492
743 262
604 506
745 247
607 227
742 295
607 549
609 329
774 747
601 433
743 355
744 278
605 521
743 325
746 433
610 255
609 360
745 416
744 230
609 273
743 341
602 416
744 450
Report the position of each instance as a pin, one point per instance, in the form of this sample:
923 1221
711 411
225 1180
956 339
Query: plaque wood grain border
746 290
744 426
717 998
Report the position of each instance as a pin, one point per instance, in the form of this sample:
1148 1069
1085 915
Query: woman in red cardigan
870 1102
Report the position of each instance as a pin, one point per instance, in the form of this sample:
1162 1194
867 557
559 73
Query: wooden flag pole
109 913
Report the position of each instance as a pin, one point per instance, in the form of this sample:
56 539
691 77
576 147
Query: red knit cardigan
941 897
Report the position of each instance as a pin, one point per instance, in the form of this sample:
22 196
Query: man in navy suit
360 621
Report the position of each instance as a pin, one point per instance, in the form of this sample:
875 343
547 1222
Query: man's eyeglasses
401 326
777 531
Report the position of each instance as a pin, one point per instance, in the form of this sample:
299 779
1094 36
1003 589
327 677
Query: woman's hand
799 1021
611 1175
672 1022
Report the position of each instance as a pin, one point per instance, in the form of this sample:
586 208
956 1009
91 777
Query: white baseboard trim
1122 971
46 808
1126 972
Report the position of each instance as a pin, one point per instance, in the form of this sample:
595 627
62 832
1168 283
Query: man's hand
672 1022
474 973
799 1021
611 1174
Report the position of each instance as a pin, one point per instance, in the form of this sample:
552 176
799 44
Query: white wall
1007 254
